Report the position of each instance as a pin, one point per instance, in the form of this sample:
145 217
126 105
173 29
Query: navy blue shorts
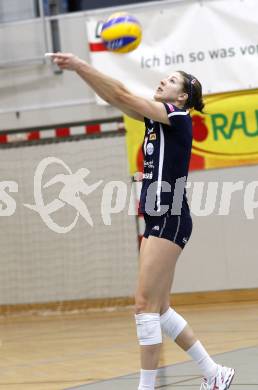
175 228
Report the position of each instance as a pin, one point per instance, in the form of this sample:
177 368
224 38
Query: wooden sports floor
61 351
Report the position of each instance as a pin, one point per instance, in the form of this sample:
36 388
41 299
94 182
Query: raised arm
113 91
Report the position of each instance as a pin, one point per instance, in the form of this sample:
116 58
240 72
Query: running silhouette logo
73 185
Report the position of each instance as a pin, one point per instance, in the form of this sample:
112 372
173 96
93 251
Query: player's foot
221 381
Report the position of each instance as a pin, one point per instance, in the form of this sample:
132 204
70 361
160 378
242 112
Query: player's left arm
113 91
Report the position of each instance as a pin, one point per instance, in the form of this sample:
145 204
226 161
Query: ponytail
193 88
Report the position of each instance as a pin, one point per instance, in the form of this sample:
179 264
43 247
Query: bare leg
157 263
186 338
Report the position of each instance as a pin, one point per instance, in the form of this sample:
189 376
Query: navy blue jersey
167 153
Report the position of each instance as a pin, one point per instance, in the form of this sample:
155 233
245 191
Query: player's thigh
157 265
142 247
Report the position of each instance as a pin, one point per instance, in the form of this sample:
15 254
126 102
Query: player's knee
140 303
172 323
148 328
146 305
164 307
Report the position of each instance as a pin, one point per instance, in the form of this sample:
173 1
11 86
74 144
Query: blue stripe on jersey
161 160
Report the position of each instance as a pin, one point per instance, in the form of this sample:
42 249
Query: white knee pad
172 323
148 328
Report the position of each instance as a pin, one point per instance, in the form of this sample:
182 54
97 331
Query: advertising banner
216 41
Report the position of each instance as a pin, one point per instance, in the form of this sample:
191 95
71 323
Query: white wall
17 10
222 253
42 97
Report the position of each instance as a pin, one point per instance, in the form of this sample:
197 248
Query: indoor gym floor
74 350
185 376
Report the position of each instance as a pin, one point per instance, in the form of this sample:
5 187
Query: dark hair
193 88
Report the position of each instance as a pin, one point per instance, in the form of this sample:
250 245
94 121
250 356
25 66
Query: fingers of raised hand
61 62
64 60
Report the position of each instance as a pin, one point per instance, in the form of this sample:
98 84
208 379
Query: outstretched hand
66 61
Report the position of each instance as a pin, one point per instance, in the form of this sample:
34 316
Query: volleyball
121 33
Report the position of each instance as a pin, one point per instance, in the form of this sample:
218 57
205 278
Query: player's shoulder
178 117
173 110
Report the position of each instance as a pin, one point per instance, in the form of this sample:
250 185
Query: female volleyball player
167 149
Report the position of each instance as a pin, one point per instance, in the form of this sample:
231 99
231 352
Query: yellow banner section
134 140
226 135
